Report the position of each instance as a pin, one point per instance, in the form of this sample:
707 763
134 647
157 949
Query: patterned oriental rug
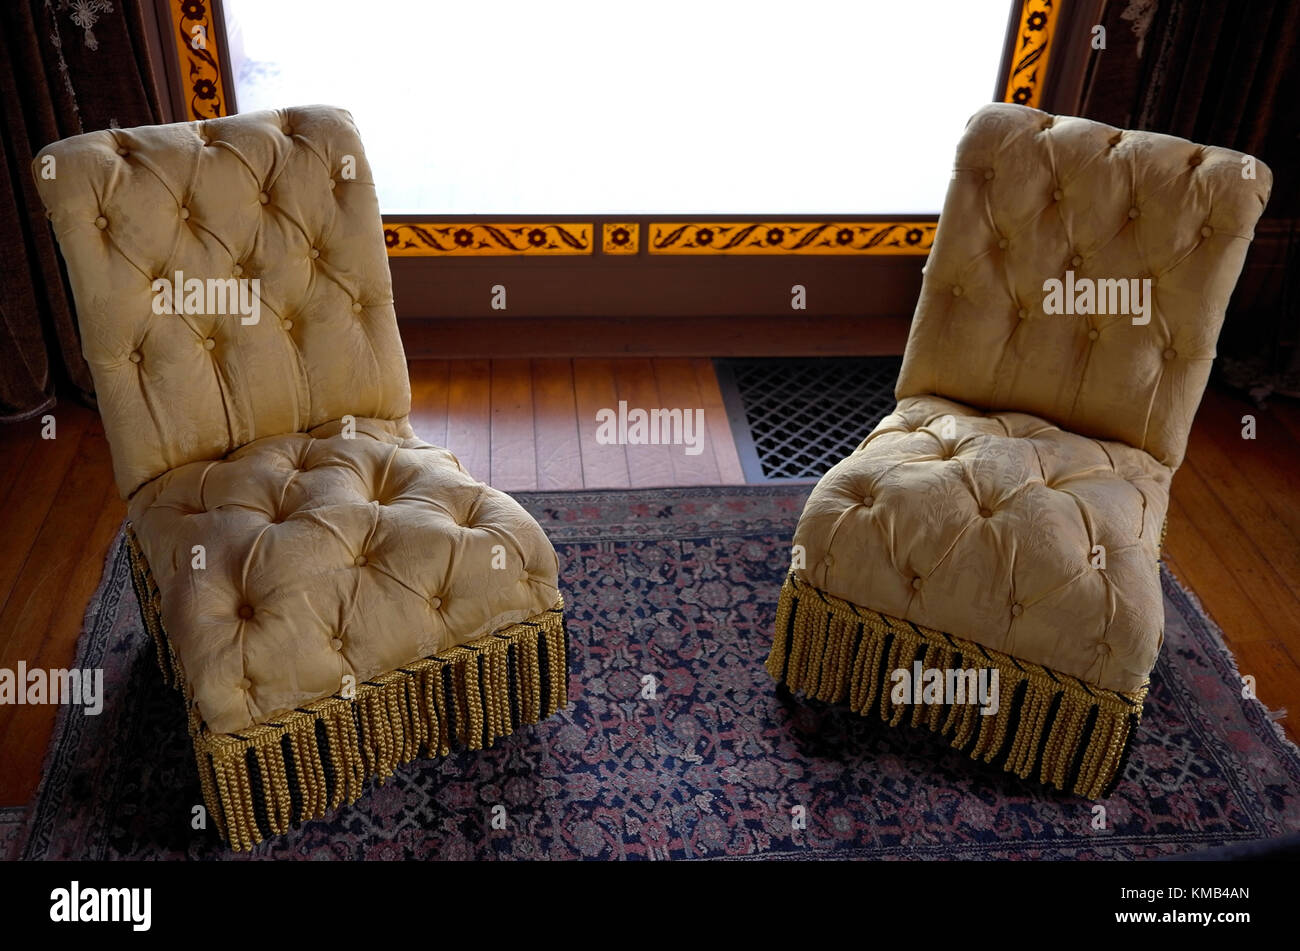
680 586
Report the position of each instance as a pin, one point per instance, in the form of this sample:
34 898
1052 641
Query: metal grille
794 419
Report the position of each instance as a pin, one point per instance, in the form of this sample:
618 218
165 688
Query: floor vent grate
795 418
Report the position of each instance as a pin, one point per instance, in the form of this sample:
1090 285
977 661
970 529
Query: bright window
664 107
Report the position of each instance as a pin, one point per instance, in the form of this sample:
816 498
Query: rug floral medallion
676 744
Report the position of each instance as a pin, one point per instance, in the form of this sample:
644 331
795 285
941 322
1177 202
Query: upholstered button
868 501
1103 648
337 643
1058 195
916 584
956 291
263 197
828 560
1195 159
122 152
332 184
1022 313
1170 353
203 140
986 512
435 603
1093 335
245 684
988 175
360 561
1116 138
245 611
1076 261
101 222
134 356
209 344
287 324
1206 231
356 307
1017 610
237 270
1047 123
185 214
1003 243
314 252
1133 212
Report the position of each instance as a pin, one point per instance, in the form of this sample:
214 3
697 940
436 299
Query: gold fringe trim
261 781
1049 726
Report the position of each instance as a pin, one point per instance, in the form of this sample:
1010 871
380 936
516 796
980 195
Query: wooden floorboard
1230 538
41 615
469 415
694 463
1239 568
649 466
604 464
17 441
1234 520
1192 555
1264 495
430 390
715 416
514 448
558 453
35 486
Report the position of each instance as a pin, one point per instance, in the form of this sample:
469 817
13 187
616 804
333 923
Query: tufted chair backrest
282 198
1033 196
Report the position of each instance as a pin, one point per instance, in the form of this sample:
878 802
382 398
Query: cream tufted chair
1008 515
334 596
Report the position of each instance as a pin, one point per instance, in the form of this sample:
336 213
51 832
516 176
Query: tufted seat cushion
985 526
328 556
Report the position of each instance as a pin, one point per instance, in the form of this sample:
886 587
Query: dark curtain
65 68
1221 72
1226 73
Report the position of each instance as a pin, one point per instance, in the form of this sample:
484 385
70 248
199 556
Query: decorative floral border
428 239
620 238
1029 58
447 239
200 69
792 237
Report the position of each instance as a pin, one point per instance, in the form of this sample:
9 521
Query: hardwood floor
60 513
1234 538
522 424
